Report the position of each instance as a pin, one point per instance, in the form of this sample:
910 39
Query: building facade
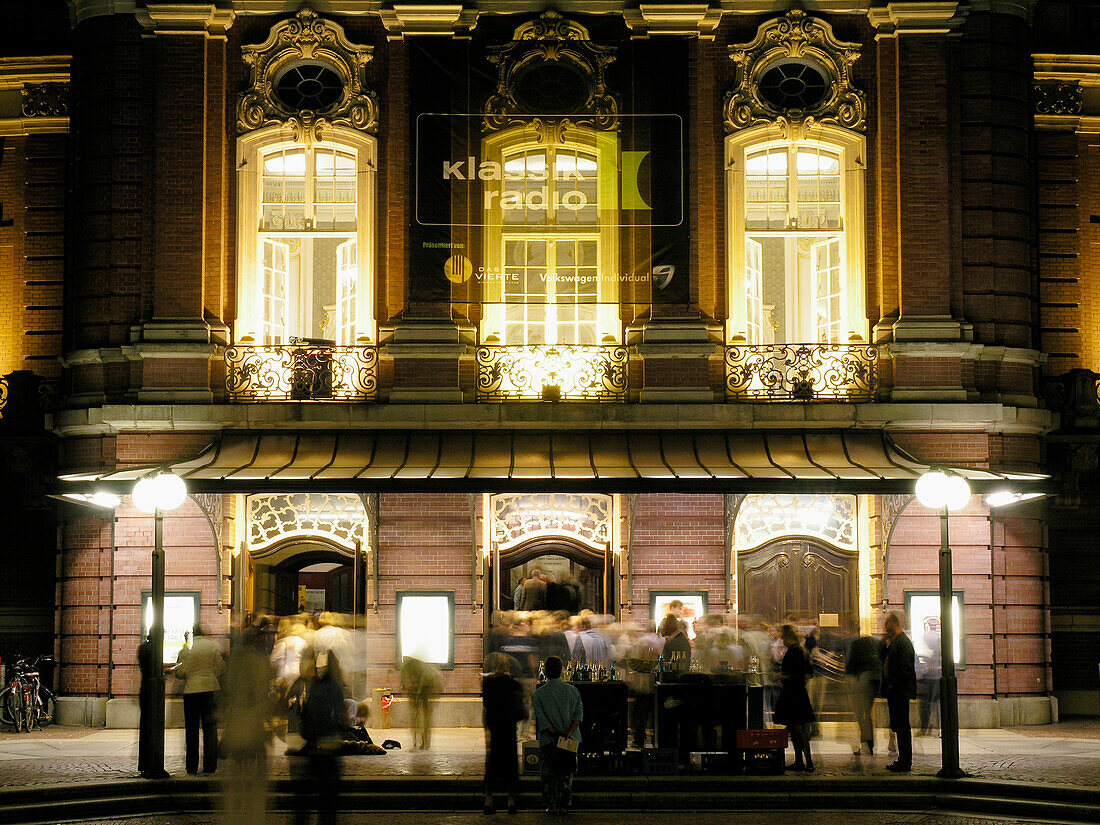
680 299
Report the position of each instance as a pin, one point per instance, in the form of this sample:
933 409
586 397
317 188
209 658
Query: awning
499 461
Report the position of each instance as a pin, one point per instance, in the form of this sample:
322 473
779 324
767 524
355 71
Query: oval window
793 85
309 86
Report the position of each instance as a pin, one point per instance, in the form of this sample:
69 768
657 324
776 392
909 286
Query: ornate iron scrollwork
523 515
339 517
795 38
802 372
551 43
45 100
551 373
305 40
1058 97
301 372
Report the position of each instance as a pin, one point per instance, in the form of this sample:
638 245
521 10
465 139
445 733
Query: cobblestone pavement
605 818
59 756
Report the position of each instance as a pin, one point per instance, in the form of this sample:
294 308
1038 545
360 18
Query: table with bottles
604 696
696 711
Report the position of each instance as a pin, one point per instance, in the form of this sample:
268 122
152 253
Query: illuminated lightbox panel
425 627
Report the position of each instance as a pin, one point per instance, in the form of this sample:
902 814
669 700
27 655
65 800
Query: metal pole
949 688
156 629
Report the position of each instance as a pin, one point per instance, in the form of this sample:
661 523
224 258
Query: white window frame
851 147
605 146
249 326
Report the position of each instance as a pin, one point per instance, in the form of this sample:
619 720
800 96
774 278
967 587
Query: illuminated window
305 236
425 627
551 239
796 251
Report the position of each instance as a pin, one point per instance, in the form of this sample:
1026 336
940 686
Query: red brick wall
679 544
999 564
102 575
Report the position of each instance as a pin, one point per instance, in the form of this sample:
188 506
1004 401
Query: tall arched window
796 226
552 235
306 214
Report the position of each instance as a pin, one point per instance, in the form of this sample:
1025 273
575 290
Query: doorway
576 576
802 578
306 578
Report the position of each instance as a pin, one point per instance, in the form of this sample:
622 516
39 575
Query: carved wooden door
798 576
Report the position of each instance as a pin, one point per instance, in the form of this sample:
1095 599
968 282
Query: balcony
802 372
301 371
552 373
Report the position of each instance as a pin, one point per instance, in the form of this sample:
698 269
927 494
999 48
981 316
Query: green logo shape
632 198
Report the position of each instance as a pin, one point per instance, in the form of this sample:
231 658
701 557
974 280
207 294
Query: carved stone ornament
550 68
783 48
45 100
310 41
1058 97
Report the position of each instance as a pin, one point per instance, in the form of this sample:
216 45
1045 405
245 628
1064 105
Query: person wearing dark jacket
792 706
504 707
863 666
899 685
322 725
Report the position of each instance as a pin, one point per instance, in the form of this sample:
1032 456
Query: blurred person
899 685
534 591
724 655
517 594
929 673
792 706
247 712
862 669
558 716
420 681
201 666
503 708
677 648
641 660
286 653
322 722
597 650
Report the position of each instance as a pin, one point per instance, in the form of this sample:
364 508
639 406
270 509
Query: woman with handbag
504 708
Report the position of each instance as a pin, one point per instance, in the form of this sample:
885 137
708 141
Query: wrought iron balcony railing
552 373
301 372
802 372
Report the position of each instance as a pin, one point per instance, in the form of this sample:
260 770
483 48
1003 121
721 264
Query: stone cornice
678 18
204 19
404 19
916 18
1082 68
17 71
21 126
923 416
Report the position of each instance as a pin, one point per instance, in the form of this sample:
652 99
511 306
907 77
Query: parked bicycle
25 703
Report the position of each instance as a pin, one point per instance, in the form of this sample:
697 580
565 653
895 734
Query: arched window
796 222
552 235
306 215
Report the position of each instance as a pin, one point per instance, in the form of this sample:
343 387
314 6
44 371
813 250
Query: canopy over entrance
609 461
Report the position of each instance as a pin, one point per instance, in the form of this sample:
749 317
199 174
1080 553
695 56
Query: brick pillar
173 348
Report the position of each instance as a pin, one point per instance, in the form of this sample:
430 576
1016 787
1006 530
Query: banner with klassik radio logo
591 200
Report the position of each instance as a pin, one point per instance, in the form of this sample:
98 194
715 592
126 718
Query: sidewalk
1063 754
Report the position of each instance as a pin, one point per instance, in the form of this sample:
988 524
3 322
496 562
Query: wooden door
798 576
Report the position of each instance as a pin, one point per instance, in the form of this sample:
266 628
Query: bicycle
25 703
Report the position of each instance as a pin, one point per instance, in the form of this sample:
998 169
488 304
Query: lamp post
939 491
156 494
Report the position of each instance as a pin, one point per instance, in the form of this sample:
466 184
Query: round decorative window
309 86
551 88
793 85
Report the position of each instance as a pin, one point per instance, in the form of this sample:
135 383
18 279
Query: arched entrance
306 576
577 575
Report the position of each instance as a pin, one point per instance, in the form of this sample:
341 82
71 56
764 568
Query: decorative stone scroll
519 517
45 100
764 517
338 518
307 40
551 53
806 43
1058 97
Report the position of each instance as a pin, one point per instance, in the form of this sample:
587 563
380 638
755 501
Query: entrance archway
306 576
578 575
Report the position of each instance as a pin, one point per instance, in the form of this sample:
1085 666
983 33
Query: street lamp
945 492
155 494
